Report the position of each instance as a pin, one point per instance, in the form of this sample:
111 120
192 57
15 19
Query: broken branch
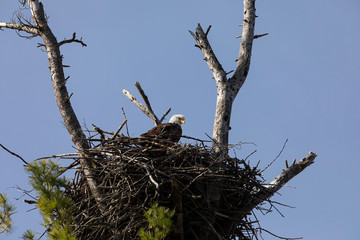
139 105
147 103
278 182
260 35
209 55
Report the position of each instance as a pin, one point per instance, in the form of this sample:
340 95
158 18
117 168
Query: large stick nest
133 174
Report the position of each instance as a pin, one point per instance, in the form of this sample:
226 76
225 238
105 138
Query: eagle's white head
178 119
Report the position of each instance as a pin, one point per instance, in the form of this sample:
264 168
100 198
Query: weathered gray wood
20 27
227 89
278 182
62 97
148 109
147 102
148 113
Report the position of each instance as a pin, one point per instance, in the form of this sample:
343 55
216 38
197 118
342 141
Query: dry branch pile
133 174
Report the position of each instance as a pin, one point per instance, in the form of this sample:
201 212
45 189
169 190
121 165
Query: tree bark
62 97
148 109
227 89
278 182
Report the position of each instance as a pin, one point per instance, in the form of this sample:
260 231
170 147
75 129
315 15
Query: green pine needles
54 207
6 210
160 223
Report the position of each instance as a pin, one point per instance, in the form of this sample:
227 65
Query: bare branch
127 129
291 172
20 27
62 97
260 35
119 129
73 39
147 103
271 188
12 153
165 114
247 37
149 172
208 30
72 155
282 149
227 89
209 55
139 105
148 109
286 238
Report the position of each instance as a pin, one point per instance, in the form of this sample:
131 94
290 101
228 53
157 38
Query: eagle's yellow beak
182 121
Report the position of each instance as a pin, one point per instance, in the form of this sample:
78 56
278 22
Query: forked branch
209 56
148 109
227 89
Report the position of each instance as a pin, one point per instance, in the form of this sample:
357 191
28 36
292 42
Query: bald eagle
170 131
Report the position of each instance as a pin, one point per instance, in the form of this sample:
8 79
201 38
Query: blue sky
303 86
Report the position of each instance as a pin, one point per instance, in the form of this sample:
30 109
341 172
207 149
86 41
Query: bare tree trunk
61 94
227 89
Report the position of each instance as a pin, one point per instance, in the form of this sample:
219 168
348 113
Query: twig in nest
166 113
147 109
192 181
130 173
150 176
196 139
12 153
282 149
64 169
212 140
210 225
127 129
101 132
250 155
137 103
286 238
119 129
147 103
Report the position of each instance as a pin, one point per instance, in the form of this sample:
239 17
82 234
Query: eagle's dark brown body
167 131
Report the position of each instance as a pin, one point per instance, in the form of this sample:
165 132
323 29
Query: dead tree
40 28
227 90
